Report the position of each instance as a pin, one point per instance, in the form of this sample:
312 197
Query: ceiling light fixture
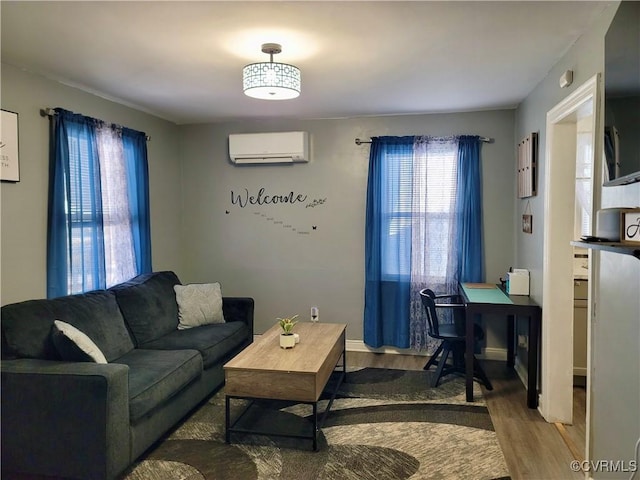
271 80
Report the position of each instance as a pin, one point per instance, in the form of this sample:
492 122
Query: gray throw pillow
199 304
73 345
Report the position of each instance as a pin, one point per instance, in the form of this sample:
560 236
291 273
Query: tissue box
518 282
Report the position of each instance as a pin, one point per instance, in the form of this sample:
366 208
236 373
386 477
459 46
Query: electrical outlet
523 341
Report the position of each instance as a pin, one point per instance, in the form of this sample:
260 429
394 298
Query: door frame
556 399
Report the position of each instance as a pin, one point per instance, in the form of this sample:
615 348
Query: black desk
495 301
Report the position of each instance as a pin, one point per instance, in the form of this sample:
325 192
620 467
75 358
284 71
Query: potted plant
287 339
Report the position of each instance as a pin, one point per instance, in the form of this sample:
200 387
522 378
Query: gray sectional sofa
86 420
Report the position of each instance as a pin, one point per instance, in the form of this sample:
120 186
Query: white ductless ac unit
277 147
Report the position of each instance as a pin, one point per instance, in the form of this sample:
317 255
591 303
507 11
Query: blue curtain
74 200
135 154
394 240
469 236
387 256
76 260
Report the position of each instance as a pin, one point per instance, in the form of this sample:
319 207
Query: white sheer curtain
433 262
118 240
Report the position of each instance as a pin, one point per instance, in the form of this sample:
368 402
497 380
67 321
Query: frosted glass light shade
271 81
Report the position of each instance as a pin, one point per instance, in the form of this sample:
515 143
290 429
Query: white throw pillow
74 345
199 304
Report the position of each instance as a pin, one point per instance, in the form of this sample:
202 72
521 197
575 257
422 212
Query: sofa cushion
148 304
157 375
74 345
212 341
198 304
27 325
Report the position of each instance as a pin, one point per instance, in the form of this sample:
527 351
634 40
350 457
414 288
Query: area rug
384 424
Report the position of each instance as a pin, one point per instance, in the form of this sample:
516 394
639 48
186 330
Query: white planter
287 340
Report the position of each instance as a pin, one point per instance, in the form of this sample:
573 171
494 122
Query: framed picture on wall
630 226
9 160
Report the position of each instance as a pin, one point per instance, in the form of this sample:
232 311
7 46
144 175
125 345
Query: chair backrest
429 302
433 302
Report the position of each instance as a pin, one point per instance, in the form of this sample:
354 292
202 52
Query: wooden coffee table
263 370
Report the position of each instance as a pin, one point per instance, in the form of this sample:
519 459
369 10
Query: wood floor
533 448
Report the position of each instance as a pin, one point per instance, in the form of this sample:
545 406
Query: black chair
452 338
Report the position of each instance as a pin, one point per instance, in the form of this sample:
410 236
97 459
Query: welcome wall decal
262 198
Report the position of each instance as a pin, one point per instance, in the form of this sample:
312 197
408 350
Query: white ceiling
183 61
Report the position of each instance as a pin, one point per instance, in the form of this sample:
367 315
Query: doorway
582 108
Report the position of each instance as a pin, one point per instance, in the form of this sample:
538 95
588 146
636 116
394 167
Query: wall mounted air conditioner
277 147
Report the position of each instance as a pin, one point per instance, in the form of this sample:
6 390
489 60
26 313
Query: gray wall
585 58
251 252
615 414
23 205
191 182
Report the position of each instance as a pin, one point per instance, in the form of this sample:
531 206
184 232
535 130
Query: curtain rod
484 139
50 112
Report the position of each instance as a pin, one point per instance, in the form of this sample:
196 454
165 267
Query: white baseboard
492 353
521 371
359 346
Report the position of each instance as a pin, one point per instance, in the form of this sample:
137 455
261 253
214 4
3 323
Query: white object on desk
518 282
608 224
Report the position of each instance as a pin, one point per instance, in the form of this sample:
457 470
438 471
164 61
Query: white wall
287 272
615 408
23 205
616 347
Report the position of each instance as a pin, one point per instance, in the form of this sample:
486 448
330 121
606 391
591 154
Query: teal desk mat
486 295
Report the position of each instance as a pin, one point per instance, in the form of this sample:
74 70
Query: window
423 229
420 214
433 205
584 172
98 221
